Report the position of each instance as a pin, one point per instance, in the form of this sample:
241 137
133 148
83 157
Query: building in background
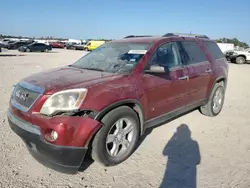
225 47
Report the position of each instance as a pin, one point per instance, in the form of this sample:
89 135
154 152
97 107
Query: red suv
106 100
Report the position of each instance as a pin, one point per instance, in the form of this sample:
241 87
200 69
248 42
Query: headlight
66 100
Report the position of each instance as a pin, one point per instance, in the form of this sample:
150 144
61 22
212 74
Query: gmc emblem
21 95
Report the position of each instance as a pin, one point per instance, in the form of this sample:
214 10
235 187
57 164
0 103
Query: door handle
183 78
208 71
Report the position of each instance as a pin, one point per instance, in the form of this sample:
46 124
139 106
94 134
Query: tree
234 41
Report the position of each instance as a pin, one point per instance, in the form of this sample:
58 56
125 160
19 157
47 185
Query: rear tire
113 135
215 101
240 60
28 50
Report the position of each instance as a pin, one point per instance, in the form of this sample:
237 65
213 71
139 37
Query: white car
239 57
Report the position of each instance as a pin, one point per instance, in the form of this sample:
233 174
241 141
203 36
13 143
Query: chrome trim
23 124
176 68
18 106
183 78
31 87
208 71
198 64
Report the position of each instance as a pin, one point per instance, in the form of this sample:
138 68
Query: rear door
165 91
20 44
198 68
35 47
43 47
40 47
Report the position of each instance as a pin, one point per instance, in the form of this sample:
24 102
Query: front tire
215 102
118 137
46 50
240 60
28 50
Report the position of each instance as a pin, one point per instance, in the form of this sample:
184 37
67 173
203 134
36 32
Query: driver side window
166 56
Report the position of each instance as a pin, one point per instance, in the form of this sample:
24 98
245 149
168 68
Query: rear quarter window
214 49
192 53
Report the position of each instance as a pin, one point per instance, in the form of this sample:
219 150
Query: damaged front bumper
63 158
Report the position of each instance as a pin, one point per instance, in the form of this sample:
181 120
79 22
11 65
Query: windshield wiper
95 69
90 68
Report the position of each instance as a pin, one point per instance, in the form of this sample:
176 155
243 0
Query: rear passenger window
213 49
192 53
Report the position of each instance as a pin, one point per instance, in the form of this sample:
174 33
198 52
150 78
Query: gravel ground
217 155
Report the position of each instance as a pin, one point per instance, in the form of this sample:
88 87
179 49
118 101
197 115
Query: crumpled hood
69 78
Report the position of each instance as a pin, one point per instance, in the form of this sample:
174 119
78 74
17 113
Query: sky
80 19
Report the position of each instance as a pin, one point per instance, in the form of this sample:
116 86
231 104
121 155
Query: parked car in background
16 45
239 56
6 43
57 45
35 47
79 46
1 46
70 45
106 100
93 44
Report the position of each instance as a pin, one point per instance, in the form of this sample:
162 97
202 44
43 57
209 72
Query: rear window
192 52
213 49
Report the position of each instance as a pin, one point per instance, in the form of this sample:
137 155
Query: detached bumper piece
63 159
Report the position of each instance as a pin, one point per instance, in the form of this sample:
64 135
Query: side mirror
156 69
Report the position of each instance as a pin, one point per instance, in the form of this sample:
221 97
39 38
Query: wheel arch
218 80
242 55
132 103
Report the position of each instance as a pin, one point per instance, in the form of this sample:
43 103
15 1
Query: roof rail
135 36
186 35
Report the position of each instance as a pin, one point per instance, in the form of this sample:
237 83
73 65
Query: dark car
1 46
104 102
16 45
6 43
70 45
35 47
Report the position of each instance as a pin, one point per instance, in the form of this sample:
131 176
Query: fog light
53 135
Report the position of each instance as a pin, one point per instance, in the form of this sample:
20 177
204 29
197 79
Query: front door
199 71
35 47
165 91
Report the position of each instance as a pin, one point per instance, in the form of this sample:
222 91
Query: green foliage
234 41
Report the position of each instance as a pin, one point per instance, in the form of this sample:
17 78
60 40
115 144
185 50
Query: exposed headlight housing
234 53
64 101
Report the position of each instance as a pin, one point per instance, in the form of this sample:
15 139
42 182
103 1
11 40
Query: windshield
113 57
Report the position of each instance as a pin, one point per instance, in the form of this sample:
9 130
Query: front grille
24 97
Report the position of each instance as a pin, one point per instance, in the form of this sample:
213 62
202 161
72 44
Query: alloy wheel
120 137
218 100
